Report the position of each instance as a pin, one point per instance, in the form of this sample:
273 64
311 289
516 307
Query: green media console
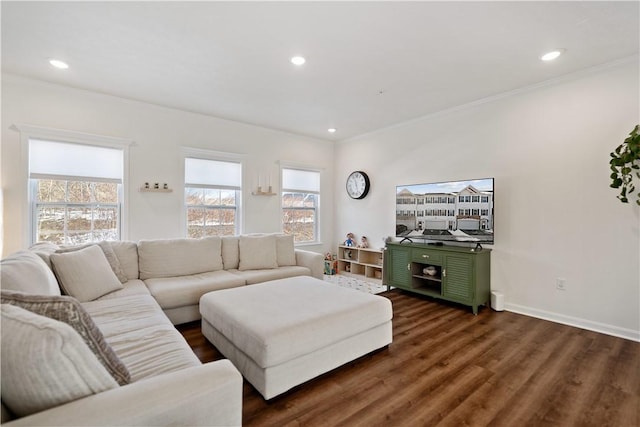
452 273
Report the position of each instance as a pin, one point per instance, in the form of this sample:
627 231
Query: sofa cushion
69 310
25 271
44 250
127 253
45 363
141 335
230 252
258 252
285 250
132 287
173 292
179 257
258 276
85 273
112 259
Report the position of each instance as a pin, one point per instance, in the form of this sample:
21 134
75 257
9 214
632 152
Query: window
475 199
300 204
212 191
75 192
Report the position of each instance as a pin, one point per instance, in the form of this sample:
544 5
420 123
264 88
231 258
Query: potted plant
625 163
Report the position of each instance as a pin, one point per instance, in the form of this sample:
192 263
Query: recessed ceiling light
550 56
59 64
298 60
332 130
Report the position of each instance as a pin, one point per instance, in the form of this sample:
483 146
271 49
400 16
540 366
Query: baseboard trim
590 325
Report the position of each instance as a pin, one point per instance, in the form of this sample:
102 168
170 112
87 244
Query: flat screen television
453 211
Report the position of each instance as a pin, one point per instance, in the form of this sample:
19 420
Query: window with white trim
75 192
300 204
213 190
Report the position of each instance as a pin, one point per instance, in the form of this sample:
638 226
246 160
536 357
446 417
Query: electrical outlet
561 284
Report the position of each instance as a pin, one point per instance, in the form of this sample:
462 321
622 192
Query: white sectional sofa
128 296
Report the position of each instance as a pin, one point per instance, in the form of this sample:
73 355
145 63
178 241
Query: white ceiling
231 59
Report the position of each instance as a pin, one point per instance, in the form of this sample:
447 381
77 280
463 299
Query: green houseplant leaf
624 160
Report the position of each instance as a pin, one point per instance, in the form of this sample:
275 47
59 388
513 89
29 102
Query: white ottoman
282 333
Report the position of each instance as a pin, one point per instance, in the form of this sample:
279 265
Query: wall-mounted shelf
155 190
264 193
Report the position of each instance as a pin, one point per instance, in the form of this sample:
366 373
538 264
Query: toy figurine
364 243
350 240
328 256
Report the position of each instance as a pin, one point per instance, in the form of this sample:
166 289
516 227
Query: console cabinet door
458 283
399 274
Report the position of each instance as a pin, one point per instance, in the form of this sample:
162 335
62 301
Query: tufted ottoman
282 333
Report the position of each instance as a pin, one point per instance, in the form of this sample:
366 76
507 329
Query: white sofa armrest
312 260
206 395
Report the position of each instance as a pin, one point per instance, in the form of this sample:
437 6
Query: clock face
357 185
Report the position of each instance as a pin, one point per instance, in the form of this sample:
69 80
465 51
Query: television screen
454 211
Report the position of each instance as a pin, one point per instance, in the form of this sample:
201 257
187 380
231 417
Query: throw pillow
25 271
285 250
109 253
45 363
85 274
258 252
69 310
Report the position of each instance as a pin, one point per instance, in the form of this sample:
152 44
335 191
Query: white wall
556 217
158 134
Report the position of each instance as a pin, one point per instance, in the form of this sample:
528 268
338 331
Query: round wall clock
358 185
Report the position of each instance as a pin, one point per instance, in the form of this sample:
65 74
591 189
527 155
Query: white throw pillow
112 259
258 252
25 271
45 363
85 274
285 249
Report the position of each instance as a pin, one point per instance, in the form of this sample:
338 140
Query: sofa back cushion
44 250
285 250
25 271
179 257
258 252
127 253
230 252
45 363
69 310
85 274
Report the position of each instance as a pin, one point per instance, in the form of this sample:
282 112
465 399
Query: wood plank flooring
447 367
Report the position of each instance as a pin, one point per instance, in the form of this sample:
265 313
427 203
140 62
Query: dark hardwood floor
447 367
